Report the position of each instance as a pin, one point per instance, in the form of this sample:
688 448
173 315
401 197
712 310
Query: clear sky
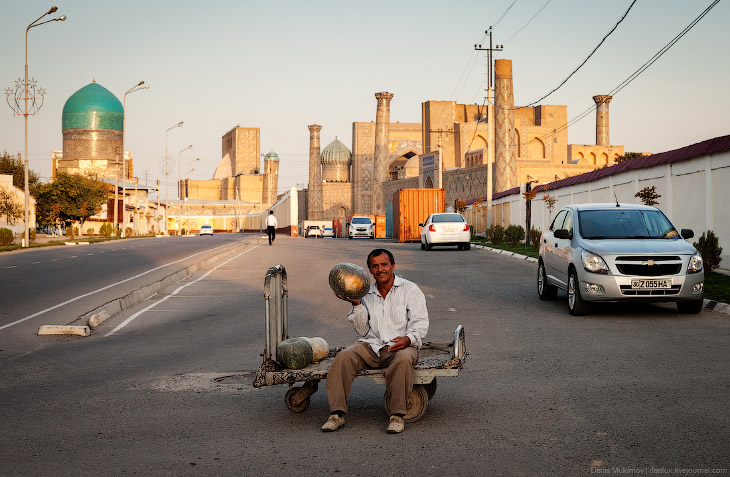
282 65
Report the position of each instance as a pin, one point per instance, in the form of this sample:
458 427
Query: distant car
206 230
618 252
361 226
313 231
445 229
328 232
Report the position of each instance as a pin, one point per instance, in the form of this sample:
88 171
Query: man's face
381 268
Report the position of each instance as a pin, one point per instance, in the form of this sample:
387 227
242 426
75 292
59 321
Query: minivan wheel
576 305
545 290
690 307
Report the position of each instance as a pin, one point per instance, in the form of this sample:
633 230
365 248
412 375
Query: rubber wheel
417 403
576 305
431 389
423 247
690 307
428 246
350 237
545 290
467 246
289 401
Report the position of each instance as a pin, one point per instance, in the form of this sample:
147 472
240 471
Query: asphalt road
56 285
164 388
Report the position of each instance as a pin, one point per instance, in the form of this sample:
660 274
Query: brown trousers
399 374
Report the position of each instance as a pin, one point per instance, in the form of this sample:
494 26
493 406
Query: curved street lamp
179 187
139 86
178 125
25 111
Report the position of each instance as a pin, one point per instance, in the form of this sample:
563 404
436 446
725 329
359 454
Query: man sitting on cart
392 321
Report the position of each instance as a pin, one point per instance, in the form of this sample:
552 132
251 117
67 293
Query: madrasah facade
448 149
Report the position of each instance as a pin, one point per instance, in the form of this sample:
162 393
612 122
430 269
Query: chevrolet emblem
649 263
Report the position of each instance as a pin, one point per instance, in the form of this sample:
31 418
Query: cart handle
459 343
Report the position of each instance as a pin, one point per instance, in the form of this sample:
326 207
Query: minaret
271 177
602 138
380 158
504 125
314 206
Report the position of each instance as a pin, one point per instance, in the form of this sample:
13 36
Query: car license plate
448 229
653 284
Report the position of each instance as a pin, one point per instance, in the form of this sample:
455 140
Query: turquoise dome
93 107
336 153
271 156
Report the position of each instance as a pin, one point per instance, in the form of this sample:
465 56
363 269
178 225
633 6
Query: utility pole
490 120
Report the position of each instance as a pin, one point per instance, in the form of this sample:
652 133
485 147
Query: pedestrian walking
271 227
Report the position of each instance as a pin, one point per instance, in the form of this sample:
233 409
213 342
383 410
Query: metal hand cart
435 359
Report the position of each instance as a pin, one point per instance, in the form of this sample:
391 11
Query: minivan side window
558 222
568 223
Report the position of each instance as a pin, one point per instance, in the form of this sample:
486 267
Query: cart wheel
417 403
290 400
431 388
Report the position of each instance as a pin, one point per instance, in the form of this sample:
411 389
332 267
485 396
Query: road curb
708 304
96 317
64 330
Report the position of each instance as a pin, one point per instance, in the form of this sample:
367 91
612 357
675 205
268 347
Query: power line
505 13
528 22
588 57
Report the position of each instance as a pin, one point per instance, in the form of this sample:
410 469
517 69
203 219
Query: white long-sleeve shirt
402 312
271 220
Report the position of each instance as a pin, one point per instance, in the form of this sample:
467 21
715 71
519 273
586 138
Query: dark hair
381 251
271 212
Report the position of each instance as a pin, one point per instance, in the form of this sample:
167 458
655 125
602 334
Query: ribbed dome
93 107
272 155
336 153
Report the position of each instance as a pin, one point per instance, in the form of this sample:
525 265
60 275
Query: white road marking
12 266
34 263
177 290
102 289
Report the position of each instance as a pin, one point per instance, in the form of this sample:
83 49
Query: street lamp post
178 125
25 113
134 88
179 188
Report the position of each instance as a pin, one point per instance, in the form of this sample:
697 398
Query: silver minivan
618 252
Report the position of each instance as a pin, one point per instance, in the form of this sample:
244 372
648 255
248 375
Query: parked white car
446 228
206 230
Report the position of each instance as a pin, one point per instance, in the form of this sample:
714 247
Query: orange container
412 207
379 226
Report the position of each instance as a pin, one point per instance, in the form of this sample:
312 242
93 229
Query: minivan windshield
625 224
361 220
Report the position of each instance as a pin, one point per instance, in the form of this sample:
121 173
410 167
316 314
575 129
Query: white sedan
445 229
206 230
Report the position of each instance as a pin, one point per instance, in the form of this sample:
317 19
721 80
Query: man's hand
354 301
399 343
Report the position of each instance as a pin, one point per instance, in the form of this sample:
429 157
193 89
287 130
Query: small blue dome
271 156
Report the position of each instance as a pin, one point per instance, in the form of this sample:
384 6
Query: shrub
708 245
495 234
128 232
106 229
535 236
90 232
6 236
514 234
32 235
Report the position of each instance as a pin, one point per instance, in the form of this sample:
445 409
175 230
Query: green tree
648 195
14 166
627 157
10 208
71 198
